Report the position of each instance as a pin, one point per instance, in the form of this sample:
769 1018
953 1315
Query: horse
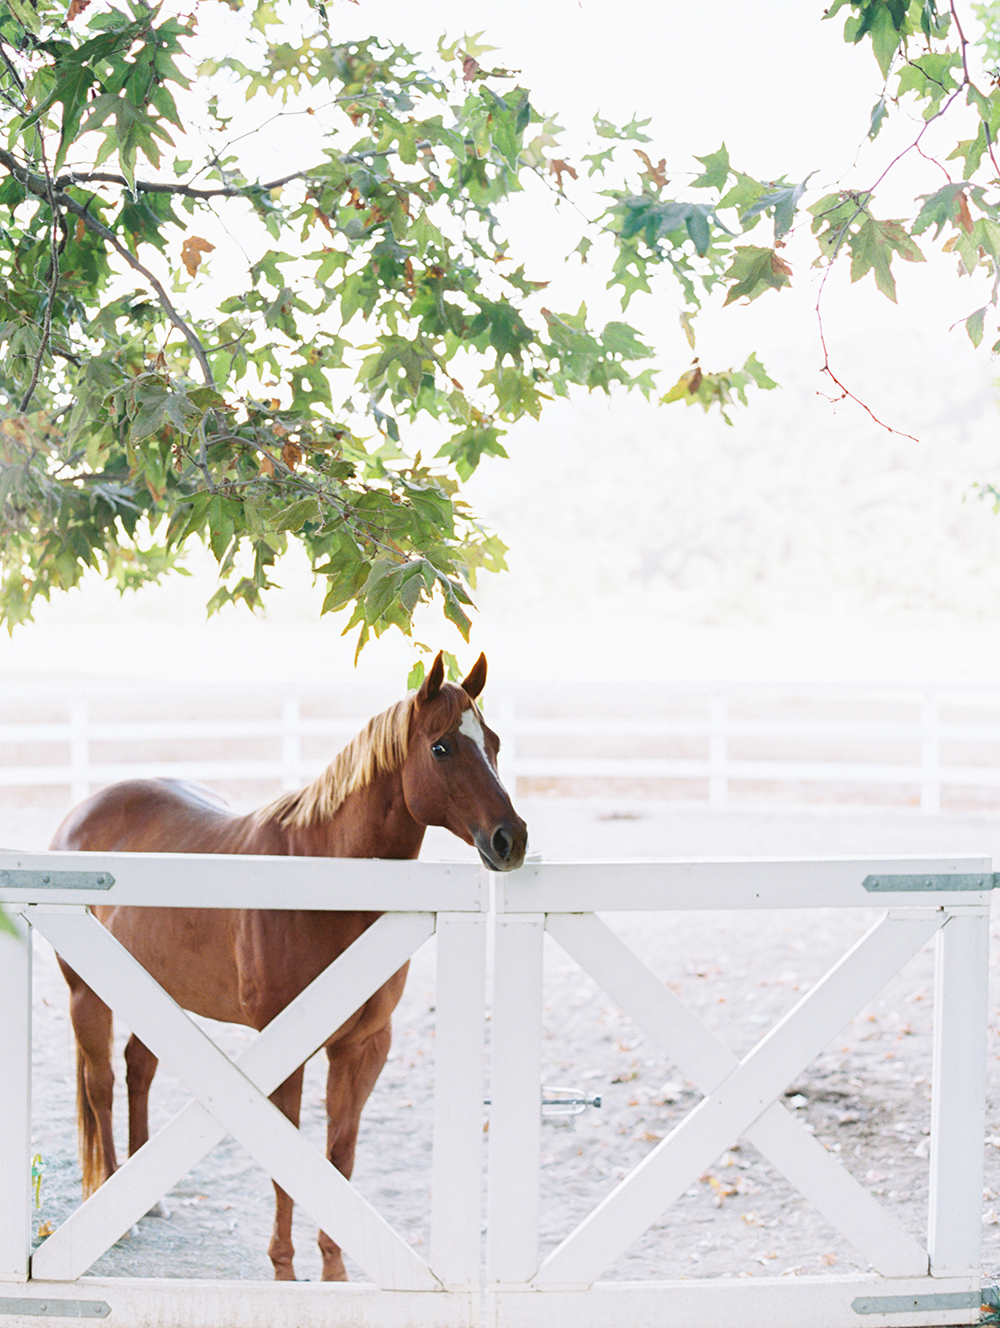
430 759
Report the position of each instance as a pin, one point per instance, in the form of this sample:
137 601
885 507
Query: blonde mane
379 748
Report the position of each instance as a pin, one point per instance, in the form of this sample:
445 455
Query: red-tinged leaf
191 253
559 168
76 8
291 453
657 174
755 270
964 215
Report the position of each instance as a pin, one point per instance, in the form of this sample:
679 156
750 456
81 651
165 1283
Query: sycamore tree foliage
370 292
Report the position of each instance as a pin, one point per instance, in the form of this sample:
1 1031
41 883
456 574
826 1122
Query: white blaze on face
471 725
473 729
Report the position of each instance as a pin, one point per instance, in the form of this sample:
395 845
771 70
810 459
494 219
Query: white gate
935 1281
50 893
913 1283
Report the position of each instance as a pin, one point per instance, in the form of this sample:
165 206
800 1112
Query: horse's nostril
502 844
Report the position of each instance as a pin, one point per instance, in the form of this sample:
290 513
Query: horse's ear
431 685
476 680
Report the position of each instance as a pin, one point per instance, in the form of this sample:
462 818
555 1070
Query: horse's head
450 772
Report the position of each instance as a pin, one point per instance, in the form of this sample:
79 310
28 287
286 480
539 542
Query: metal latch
562 1101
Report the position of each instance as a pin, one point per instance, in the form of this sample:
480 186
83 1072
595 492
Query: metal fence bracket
56 1309
56 880
928 884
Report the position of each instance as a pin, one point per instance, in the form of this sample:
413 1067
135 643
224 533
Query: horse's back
190 951
148 816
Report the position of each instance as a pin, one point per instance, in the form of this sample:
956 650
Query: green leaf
783 201
296 516
974 326
716 170
872 247
877 118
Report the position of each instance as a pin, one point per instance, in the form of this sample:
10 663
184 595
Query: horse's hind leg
350 1078
288 1100
95 1081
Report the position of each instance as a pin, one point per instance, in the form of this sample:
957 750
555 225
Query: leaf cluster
378 291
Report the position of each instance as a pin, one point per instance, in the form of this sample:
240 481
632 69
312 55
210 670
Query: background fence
930 748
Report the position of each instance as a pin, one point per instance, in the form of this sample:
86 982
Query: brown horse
428 760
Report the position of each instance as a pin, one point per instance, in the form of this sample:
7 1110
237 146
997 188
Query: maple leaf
559 168
755 270
291 454
872 247
191 253
470 68
655 174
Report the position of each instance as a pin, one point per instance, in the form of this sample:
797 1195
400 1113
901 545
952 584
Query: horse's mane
380 747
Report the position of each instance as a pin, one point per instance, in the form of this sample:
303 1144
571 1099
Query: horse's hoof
158 1210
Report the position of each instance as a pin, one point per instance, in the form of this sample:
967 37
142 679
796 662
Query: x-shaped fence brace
740 1096
231 1097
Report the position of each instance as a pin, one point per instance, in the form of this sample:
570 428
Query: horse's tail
88 1135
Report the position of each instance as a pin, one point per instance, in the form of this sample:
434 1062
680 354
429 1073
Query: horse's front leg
140 1066
351 1076
288 1100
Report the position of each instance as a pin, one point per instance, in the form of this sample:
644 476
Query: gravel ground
867 1097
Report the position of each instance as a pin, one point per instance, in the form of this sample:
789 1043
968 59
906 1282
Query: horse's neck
372 822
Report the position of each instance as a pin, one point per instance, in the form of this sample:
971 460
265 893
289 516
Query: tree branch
38 186
191 191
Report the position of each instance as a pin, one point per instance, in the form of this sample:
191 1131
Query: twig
845 392
11 68
53 285
967 77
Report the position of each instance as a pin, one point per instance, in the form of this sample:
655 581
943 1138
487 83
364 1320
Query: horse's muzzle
504 849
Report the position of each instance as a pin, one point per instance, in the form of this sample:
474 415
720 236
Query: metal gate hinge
918 1304
925 884
32 879
57 1309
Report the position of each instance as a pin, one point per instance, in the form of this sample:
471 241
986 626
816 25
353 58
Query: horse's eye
440 749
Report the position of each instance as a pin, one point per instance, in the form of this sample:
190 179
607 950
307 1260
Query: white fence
931 748
933 1280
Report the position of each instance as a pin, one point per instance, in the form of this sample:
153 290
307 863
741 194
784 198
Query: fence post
930 752
79 749
958 1094
515 1131
291 743
718 750
459 1057
15 1104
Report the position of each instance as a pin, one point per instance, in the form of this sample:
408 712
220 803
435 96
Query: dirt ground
867 1097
